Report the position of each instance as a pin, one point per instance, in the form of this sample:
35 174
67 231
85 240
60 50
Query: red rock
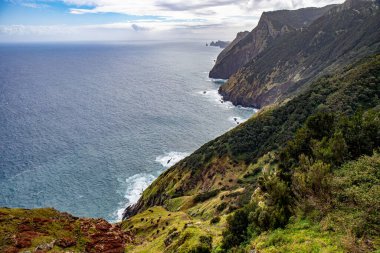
65 242
24 227
41 220
24 239
11 249
103 225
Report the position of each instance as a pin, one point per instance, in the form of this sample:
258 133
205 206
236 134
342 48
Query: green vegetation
283 171
310 182
158 230
301 236
355 88
205 196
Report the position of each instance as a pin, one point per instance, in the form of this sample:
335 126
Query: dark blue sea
85 127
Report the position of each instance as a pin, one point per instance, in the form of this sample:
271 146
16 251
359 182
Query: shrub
201 197
204 246
221 207
236 231
215 220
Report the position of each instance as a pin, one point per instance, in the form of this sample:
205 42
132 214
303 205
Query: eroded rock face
345 33
41 230
247 45
104 237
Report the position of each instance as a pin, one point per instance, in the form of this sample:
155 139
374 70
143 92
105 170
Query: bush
236 231
205 245
221 207
201 197
215 220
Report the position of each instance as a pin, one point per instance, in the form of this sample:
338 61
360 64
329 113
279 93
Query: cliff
292 61
291 161
244 173
247 45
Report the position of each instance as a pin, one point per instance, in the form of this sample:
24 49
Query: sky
108 20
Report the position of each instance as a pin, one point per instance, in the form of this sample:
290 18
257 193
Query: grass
181 232
301 236
47 222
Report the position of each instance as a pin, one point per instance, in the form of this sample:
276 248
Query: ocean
85 127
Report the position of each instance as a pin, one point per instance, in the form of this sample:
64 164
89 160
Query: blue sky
39 20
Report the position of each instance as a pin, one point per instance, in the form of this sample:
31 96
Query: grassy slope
229 156
231 163
159 230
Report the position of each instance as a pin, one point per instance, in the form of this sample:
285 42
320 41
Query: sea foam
169 159
136 184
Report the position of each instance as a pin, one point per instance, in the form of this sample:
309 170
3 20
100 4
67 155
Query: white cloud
214 19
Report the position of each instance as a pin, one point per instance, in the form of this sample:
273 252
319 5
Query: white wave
136 184
214 96
247 108
238 120
218 81
169 159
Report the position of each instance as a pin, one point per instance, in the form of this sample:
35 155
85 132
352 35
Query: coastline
169 159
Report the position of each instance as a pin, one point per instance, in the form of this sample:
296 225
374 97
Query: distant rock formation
219 43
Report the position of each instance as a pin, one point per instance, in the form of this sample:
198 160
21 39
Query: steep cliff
247 45
346 32
236 172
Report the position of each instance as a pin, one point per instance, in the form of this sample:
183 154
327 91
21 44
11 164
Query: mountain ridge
247 45
299 56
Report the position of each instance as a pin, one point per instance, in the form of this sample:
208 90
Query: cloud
217 19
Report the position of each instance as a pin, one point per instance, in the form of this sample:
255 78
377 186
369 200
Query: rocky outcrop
41 230
248 45
344 33
219 43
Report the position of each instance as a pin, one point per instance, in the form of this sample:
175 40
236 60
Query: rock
65 242
103 225
11 249
169 239
24 239
247 45
219 43
262 69
45 247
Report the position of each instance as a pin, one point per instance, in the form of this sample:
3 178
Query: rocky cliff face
47 230
291 61
247 45
345 33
